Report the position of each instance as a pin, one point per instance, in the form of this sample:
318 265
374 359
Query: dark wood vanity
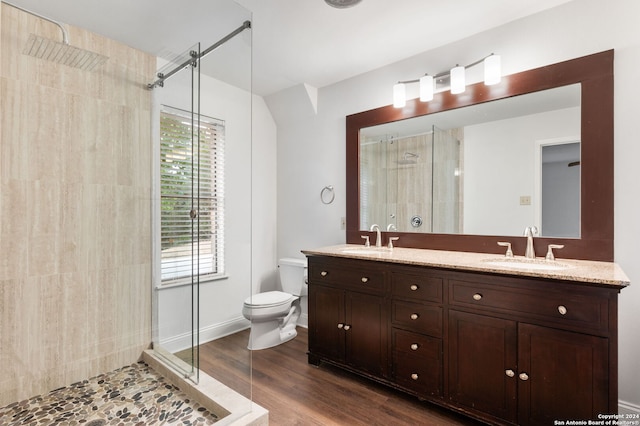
499 347
431 318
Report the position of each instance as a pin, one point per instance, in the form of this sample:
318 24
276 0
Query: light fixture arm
444 73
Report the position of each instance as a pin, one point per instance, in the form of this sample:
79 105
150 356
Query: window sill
186 283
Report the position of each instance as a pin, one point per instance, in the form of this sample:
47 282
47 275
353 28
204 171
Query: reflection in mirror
559 189
487 169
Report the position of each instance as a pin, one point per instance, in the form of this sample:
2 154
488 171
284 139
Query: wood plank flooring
296 393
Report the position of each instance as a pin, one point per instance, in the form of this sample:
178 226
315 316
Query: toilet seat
268 299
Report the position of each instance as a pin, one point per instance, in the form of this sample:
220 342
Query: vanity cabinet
501 348
348 316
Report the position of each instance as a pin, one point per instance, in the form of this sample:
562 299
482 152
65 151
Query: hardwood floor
296 393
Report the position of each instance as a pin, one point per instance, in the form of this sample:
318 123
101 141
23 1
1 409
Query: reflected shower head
409 158
59 52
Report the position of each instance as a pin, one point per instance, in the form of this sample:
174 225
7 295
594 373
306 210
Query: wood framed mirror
594 74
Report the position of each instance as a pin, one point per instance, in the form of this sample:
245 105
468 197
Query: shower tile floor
133 395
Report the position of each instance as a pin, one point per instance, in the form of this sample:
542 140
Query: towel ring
327 195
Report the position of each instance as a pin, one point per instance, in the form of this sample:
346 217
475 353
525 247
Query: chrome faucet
529 232
376 228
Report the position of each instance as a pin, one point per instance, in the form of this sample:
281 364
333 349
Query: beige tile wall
75 180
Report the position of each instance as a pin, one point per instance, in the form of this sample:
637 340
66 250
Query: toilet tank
293 276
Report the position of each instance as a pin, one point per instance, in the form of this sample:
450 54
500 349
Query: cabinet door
482 364
366 338
326 322
566 375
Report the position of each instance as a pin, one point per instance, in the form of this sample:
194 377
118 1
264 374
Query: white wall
250 213
311 151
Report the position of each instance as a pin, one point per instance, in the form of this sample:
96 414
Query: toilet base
267 334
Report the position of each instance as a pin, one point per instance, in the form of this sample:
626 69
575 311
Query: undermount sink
364 250
531 264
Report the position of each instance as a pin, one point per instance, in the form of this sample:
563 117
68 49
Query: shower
59 52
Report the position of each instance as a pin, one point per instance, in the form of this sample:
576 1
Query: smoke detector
342 4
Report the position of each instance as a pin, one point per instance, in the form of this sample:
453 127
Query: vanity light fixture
456 78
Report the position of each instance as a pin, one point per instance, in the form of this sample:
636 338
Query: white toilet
274 314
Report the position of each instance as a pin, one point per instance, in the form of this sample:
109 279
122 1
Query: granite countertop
604 273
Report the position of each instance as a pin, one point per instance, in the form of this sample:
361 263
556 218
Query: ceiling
294 41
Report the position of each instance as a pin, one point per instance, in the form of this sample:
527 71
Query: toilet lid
268 299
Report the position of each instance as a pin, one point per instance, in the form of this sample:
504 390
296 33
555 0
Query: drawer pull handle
340 325
414 316
524 376
414 376
364 279
510 373
324 273
347 327
414 346
562 310
477 296
413 287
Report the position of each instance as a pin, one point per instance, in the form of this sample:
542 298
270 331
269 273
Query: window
191 195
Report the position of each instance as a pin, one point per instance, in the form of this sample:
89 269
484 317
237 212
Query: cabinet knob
346 327
364 279
340 325
510 373
413 287
414 346
324 273
524 376
414 316
562 310
477 296
414 376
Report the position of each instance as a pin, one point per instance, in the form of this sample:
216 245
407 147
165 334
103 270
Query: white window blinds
192 195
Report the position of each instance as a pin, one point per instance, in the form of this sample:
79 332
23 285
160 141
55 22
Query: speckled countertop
604 273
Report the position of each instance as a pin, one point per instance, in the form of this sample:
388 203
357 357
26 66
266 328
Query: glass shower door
176 336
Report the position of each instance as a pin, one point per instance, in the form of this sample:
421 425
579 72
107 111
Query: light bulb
492 71
399 95
457 80
426 88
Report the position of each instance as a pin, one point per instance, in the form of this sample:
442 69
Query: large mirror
487 169
464 171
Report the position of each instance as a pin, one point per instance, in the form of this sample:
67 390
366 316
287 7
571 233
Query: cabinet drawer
419 370
569 309
416 344
355 278
418 287
418 317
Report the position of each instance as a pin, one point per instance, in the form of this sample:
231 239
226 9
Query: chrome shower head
60 52
63 53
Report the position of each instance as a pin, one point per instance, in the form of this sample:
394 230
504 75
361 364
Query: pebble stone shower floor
132 395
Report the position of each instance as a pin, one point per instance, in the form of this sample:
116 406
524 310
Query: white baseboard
212 332
625 407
